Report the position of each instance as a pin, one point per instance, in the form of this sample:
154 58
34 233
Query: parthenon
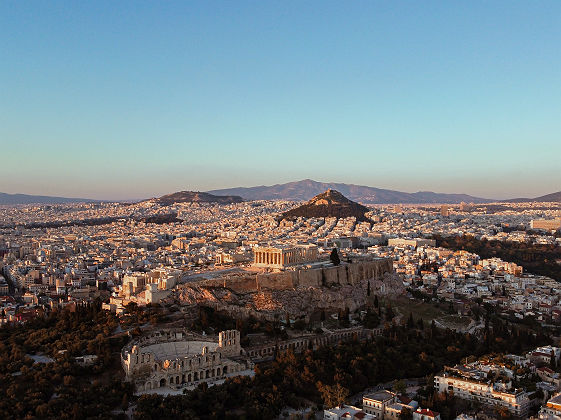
281 256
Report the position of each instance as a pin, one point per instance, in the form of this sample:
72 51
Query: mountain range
302 191
306 189
196 197
11 199
553 197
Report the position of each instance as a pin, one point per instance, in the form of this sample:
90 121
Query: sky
127 100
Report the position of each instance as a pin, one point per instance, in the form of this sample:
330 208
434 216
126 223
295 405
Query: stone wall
345 274
296 292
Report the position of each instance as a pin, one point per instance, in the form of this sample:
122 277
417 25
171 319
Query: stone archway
162 382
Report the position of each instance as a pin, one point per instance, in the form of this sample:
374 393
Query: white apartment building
378 402
545 224
425 414
517 402
346 412
552 409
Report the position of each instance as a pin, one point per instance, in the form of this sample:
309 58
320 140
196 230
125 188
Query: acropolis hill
299 292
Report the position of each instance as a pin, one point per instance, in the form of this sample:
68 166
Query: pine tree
410 322
334 257
125 402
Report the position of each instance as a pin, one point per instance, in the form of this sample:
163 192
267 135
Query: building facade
516 401
552 409
546 224
378 402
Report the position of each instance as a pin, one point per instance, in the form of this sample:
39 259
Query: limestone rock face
299 293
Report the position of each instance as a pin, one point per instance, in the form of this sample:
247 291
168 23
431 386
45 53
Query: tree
334 257
405 414
410 321
332 395
389 312
125 402
399 386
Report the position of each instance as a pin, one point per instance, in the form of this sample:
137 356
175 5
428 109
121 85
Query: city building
552 409
546 224
494 395
377 403
416 242
425 414
346 412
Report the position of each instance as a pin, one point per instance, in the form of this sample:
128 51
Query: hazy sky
135 99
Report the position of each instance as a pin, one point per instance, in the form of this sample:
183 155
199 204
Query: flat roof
379 396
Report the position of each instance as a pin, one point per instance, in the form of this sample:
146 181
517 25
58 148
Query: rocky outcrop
299 293
331 203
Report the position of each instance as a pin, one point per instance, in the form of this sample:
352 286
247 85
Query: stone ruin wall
346 274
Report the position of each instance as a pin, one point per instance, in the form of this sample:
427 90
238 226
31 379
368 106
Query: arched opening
162 382
225 371
196 376
189 378
218 372
148 386
177 379
171 380
207 374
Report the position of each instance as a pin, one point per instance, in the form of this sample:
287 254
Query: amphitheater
175 359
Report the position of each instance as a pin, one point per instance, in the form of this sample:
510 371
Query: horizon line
136 199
